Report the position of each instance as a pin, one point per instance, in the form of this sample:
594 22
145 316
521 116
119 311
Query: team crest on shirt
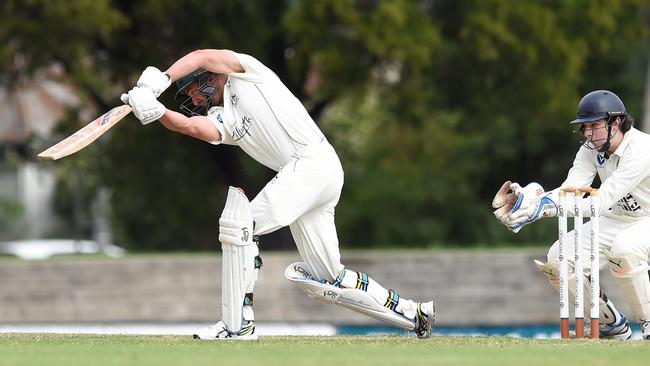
600 159
234 100
628 203
241 128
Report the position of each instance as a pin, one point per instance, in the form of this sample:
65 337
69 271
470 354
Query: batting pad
352 298
238 272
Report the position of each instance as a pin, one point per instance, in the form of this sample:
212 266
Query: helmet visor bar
198 101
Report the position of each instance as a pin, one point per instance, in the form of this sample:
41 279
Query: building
29 109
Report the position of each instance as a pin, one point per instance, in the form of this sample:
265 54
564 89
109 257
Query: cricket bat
86 135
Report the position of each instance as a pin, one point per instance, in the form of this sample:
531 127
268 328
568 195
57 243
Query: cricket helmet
597 105
205 87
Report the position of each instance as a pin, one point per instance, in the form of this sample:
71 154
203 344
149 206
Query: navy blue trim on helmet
597 105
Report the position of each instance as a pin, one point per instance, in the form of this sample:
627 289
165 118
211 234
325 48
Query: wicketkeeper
620 155
232 98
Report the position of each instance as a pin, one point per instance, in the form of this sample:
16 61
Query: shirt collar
627 137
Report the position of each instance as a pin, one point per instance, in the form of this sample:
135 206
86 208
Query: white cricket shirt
625 175
263 117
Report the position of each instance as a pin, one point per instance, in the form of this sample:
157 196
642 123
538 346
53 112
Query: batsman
232 98
620 155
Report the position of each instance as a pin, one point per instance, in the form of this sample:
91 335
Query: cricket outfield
71 350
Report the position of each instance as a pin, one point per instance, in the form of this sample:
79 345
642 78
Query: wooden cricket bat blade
86 135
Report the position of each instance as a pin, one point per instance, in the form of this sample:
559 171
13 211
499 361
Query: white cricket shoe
219 331
424 319
645 330
620 330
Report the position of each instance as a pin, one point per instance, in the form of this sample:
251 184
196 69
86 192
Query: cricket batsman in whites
620 155
232 98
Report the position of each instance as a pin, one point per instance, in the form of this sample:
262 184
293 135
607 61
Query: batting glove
155 80
145 105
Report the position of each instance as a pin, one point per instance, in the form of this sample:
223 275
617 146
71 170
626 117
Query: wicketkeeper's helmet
599 104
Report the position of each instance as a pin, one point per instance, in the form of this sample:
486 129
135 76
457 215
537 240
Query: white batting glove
155 80
532 204
145 105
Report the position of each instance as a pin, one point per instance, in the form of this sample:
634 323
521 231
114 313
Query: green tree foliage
168 189
431 104
488 101
520 71
36 33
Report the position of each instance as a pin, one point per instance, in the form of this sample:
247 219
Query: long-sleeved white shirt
263 117
625 175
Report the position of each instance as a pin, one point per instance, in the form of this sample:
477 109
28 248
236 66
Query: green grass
89 350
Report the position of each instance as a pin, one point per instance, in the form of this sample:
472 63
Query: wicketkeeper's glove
532 204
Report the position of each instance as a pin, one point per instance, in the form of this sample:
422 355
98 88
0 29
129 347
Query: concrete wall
469 288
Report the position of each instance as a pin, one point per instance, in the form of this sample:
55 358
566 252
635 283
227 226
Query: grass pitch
89 350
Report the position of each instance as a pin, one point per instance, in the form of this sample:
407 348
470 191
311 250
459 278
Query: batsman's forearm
199 127
175 121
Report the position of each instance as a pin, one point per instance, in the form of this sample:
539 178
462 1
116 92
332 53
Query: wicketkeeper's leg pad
632 276
353 298
240 260
607 311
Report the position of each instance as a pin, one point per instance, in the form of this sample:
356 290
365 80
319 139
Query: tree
488 102
430 104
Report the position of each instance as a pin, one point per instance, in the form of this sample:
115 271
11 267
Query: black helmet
187 80
597 105
204 87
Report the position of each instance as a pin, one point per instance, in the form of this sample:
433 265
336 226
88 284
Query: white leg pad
357 300
631 274
552 272
238 274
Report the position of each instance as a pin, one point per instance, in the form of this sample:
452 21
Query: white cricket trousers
618 235
303 196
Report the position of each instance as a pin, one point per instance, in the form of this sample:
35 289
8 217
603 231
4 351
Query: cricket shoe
645 330
426 315
620 330
219 331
